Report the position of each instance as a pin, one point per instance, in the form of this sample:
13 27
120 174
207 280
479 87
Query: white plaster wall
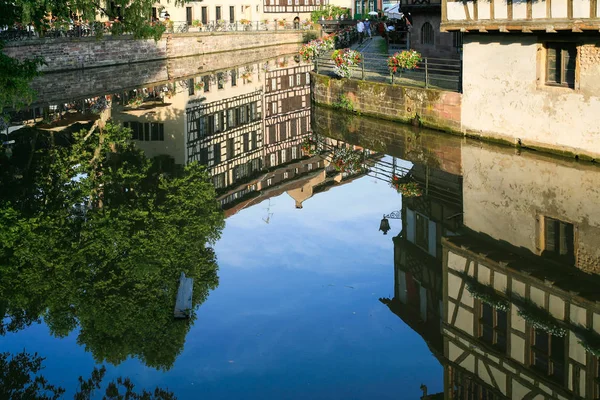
517 348
483 10
455 11
518 390
519 10
557 307
501 97
456 262
537 296
538 9
453 286
503 193
581 8
464 321
500 282
559 9
517 322
578 315
518 287
576 351
500 10
483 274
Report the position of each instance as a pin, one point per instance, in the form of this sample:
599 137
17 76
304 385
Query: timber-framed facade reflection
515 272
226 135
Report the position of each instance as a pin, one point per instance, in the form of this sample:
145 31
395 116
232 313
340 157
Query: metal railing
100 28
239 26
435 73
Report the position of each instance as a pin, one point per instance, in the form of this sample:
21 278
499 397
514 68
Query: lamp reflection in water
384 225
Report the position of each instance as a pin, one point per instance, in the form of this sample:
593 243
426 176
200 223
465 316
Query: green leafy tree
94 234
134 17
20 379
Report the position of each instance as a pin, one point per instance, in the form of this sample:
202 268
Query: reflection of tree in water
93 234
21 378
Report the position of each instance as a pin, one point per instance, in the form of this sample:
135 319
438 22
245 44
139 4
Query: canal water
359 259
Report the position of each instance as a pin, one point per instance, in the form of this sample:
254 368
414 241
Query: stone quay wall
58 87
61 54
435 109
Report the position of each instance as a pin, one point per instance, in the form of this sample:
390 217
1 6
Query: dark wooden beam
593 8
509 9
476 10
548 9
529 9
467 13
444 10
570 9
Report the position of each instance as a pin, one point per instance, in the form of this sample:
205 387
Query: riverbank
67 54
436 109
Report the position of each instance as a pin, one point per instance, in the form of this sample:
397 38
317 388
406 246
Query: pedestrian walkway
372 46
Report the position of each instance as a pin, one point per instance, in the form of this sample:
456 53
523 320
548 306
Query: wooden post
426 74
392 77
362 64
317 64
183 303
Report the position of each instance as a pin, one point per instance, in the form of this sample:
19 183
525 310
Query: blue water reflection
296 314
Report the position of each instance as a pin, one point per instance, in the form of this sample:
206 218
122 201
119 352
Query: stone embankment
432 108
63 54
58 87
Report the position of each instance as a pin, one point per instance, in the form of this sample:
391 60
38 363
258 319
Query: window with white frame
283 159
273 159
291 80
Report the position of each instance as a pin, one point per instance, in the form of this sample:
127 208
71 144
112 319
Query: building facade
531 71
426 36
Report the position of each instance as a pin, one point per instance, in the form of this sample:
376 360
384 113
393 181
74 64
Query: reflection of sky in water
296 314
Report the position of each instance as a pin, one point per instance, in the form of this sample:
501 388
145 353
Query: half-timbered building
522 319
289 10
531 72
287 112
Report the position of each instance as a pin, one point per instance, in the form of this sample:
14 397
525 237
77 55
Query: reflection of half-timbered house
226 135
520 286
287 113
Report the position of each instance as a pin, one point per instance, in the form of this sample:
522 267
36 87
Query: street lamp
384 225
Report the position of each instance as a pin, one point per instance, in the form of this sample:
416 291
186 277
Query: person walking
360 28
368 28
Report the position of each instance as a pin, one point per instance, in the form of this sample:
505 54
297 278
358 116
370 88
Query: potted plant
346 160
199 85
309 147
246 23
197 24
407 59
344 59
407 189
